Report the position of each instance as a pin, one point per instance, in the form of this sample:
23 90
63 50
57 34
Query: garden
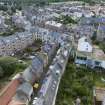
78 82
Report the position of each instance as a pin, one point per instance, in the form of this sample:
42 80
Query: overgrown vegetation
101 44
78 82
66 20
10 65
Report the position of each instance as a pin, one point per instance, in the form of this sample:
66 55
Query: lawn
78 82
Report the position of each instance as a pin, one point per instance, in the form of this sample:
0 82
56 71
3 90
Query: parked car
35 100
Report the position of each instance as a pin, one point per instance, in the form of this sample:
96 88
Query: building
101 33
33 73
17 42
99 96
3 26
21 22
53 25
89 55
22 95
84 45
49 49
9 91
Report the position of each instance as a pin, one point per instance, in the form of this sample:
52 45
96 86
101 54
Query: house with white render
89 55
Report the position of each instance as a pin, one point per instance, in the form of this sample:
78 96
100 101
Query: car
35 100
55 82
53 87
58 72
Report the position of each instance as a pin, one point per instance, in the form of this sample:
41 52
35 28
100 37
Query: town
52 53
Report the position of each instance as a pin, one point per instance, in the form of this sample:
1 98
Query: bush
80 89
102 46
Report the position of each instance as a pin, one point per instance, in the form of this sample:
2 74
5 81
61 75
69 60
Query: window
97 63
86 48
86 40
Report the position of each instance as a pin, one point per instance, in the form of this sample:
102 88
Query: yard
78 82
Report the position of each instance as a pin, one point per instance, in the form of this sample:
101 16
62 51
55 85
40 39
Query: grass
78 82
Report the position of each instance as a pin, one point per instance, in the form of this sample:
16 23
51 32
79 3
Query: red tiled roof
13 102
8 92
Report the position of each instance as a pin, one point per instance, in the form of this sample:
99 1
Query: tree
94 36
13 9
1 72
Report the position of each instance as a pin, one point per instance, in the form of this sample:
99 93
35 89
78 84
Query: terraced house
12 44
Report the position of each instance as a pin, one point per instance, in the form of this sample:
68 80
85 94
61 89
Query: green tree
1 72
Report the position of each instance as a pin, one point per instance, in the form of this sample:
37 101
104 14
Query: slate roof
100 20
37 64
25 88
89 20
102 28
47 48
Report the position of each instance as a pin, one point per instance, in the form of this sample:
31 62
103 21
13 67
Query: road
49 89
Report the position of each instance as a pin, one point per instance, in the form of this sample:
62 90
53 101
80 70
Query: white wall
84 45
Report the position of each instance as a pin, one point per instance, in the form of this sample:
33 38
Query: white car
58 72
35 100
53 87
55 82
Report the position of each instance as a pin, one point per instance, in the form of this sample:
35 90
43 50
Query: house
21 21
83 30
89 55
84 50
86 21
16 42
101 33
99 96
97 60
84 45
2 47
34 72
22 95
53 25
3 26
9 91
44 57
50 49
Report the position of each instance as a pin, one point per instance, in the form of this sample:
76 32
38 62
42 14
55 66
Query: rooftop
53 23
97 54
100 93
